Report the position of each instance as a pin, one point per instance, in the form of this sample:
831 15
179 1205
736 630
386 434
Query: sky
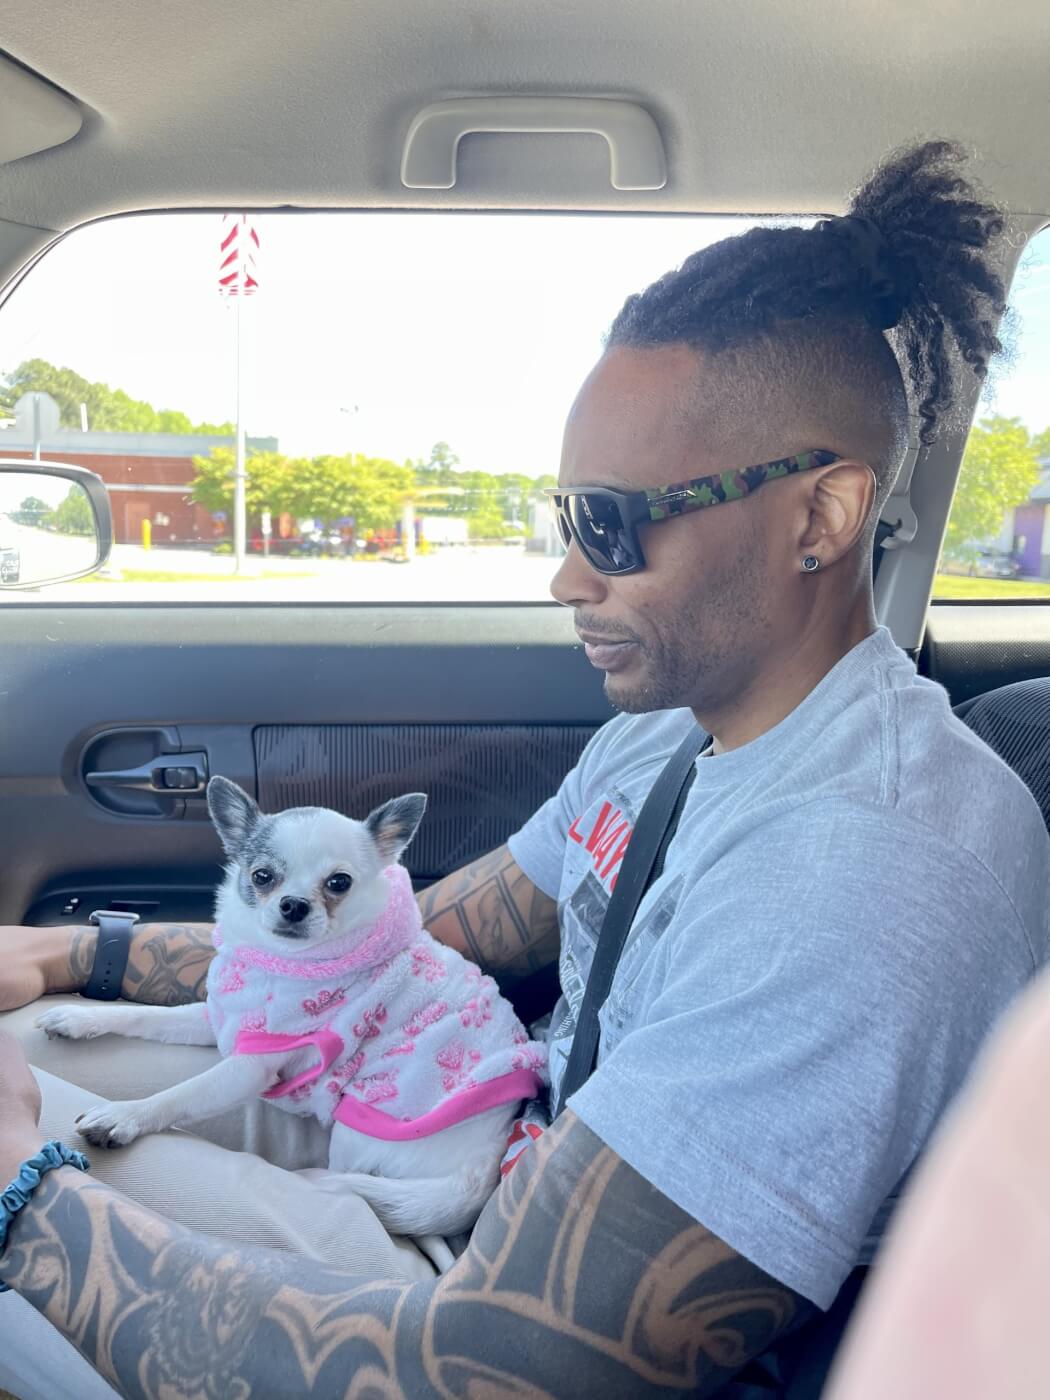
385 333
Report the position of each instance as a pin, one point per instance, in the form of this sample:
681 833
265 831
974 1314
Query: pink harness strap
267 1042
373 1122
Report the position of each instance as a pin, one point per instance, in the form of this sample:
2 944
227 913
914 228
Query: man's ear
840 507
234 813
393 825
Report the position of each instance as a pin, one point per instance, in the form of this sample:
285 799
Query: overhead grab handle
636 149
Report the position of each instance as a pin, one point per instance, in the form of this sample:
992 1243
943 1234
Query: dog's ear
393 825
234 813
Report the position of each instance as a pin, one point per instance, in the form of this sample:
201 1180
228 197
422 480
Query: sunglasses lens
604 538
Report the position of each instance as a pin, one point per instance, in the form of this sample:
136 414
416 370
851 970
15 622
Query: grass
962 586
165 576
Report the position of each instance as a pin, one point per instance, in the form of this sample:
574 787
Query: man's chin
637 698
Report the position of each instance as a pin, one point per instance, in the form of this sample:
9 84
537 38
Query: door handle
173 774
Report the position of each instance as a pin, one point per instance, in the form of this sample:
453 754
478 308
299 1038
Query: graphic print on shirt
604 833
598 840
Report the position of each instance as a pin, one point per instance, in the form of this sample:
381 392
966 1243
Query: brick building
148 475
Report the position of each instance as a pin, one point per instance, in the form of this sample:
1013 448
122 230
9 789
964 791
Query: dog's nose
294 909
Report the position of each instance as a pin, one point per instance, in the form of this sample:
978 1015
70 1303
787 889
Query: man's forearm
160 1311
489 911
580 1279
167 964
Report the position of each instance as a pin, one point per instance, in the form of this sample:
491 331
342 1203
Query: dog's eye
262 879
338 883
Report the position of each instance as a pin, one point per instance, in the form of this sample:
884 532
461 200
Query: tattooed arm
580 1279
491 912
167 964
488 910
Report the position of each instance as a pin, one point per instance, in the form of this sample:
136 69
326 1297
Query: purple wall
1028 521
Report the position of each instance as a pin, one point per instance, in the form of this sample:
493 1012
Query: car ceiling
764 106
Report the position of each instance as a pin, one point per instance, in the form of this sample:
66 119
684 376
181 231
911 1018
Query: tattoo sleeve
167 964
492 913
580 1279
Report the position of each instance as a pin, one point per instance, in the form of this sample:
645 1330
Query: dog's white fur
428 1187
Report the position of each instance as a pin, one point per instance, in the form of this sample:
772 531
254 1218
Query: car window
404 379
997 544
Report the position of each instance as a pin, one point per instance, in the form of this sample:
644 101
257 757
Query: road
44 553
479 574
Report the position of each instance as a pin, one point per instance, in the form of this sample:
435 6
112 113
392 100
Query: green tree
494 506
441 469
32 511
270 481
74 515
999 469
370 489
108 410
485 522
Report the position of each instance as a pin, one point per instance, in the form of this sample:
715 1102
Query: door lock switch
181 778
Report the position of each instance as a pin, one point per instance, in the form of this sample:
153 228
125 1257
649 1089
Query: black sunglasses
604 523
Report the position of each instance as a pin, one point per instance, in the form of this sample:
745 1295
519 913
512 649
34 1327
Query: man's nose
576 583
294 909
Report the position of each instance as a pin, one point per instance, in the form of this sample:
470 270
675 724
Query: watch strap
111 954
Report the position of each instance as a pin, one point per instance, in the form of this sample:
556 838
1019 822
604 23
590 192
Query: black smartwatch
111 955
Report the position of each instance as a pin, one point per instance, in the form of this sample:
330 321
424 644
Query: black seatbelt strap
642 864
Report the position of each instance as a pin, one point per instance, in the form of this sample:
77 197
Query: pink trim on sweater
267 1043
373 1122
397 927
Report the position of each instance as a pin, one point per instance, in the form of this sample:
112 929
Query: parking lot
475 574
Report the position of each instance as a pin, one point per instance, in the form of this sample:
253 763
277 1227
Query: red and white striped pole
237 280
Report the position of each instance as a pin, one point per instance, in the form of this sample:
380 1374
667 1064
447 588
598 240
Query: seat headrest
1015 721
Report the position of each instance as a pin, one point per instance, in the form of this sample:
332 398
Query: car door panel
484 708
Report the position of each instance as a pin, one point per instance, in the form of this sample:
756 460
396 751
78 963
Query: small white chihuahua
328 996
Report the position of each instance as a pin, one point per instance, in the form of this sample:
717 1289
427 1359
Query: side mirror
55 523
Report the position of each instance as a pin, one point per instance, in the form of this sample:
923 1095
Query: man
834 931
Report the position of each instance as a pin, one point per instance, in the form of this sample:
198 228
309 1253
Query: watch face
98 914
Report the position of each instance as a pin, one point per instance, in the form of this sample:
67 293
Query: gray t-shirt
849 904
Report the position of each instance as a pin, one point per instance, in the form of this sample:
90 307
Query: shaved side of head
785 391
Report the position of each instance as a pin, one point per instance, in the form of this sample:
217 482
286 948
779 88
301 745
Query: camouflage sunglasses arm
734 485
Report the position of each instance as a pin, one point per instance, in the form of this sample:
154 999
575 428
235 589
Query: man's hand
19 1109
580 1279
34 962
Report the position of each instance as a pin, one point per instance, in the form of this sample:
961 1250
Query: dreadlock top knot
918 253
882 294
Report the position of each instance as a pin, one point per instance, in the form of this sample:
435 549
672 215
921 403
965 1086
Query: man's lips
606 653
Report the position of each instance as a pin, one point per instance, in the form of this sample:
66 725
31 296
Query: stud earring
811 563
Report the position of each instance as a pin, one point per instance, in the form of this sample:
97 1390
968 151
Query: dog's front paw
113 1124
70 1023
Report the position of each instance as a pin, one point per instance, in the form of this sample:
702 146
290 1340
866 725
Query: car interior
116 707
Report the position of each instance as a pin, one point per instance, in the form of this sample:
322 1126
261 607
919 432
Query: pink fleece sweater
400 1036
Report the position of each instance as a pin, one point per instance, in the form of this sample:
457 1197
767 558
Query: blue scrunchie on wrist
52 1154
